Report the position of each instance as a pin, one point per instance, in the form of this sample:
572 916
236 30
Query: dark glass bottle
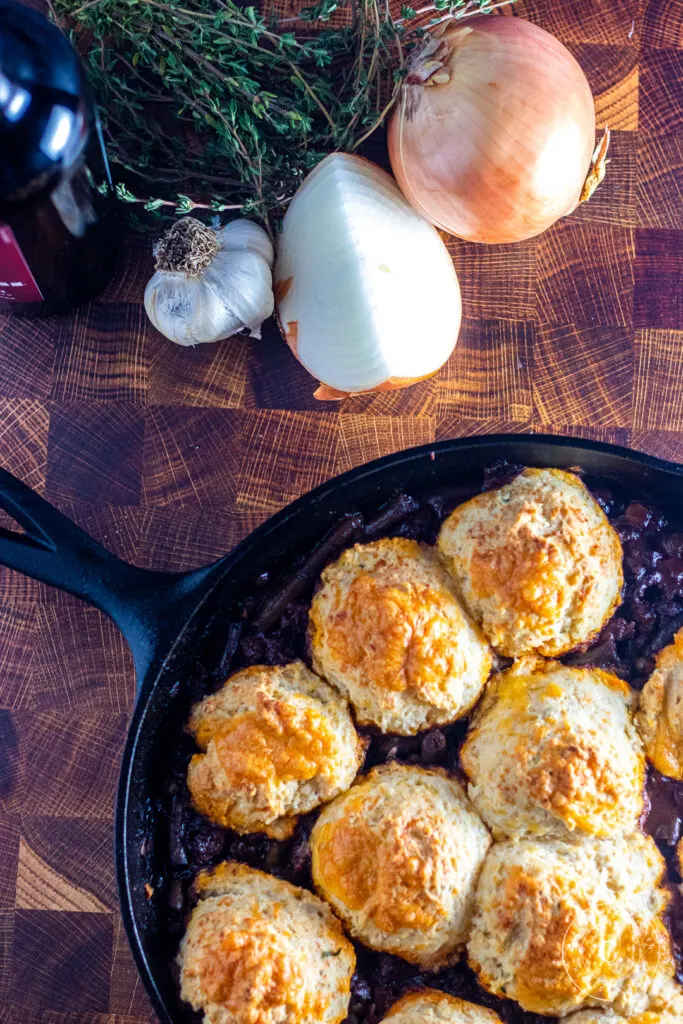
57 244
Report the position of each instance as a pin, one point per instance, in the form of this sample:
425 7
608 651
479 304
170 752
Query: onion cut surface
366 292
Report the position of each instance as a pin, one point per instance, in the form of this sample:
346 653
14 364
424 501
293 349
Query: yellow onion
494 129
366 293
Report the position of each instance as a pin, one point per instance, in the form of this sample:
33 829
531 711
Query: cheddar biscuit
397 857
276 742
258 950
387 629
660 718
433 1007
565 925
535 562
553 750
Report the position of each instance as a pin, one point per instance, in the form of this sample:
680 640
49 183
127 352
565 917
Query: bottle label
17 283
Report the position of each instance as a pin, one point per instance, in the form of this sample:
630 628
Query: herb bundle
207 104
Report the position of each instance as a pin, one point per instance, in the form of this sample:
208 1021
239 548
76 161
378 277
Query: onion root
597 169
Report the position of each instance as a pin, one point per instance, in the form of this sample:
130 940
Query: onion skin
324 393
498 146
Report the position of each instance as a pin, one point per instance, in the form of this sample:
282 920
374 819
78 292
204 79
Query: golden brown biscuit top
514 686
397 621
256 949
444 1007
251 972
605 1017
565 773
664 691
386 868
401 634
276 740
524 568
665 1006
390 872
563 957
534 558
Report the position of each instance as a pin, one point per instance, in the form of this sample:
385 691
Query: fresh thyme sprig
211 98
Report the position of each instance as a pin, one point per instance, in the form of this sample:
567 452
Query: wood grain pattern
662 25
661 80
583 375
61 959
660 181
613 75
585 274
658 293
170 456
658 380
40 887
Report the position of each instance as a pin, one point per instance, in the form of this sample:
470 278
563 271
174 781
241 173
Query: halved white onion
366 292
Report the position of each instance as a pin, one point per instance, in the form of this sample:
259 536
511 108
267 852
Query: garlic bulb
209 284
366 292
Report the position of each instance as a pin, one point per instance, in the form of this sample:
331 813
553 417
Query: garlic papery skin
209 284
366 292
239 235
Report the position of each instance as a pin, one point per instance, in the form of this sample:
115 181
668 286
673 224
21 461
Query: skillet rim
138 722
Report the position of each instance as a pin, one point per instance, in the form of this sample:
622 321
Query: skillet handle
149 607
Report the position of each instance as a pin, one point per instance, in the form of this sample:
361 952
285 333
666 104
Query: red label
17 283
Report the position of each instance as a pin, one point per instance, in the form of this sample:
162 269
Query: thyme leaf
208 105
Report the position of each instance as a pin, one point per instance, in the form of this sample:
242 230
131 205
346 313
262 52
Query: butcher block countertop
169 456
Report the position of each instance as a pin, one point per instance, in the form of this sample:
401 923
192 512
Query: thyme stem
212 97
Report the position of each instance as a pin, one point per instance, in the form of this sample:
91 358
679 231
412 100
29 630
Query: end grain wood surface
170 456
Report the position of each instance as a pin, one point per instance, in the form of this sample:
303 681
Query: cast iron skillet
173 620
